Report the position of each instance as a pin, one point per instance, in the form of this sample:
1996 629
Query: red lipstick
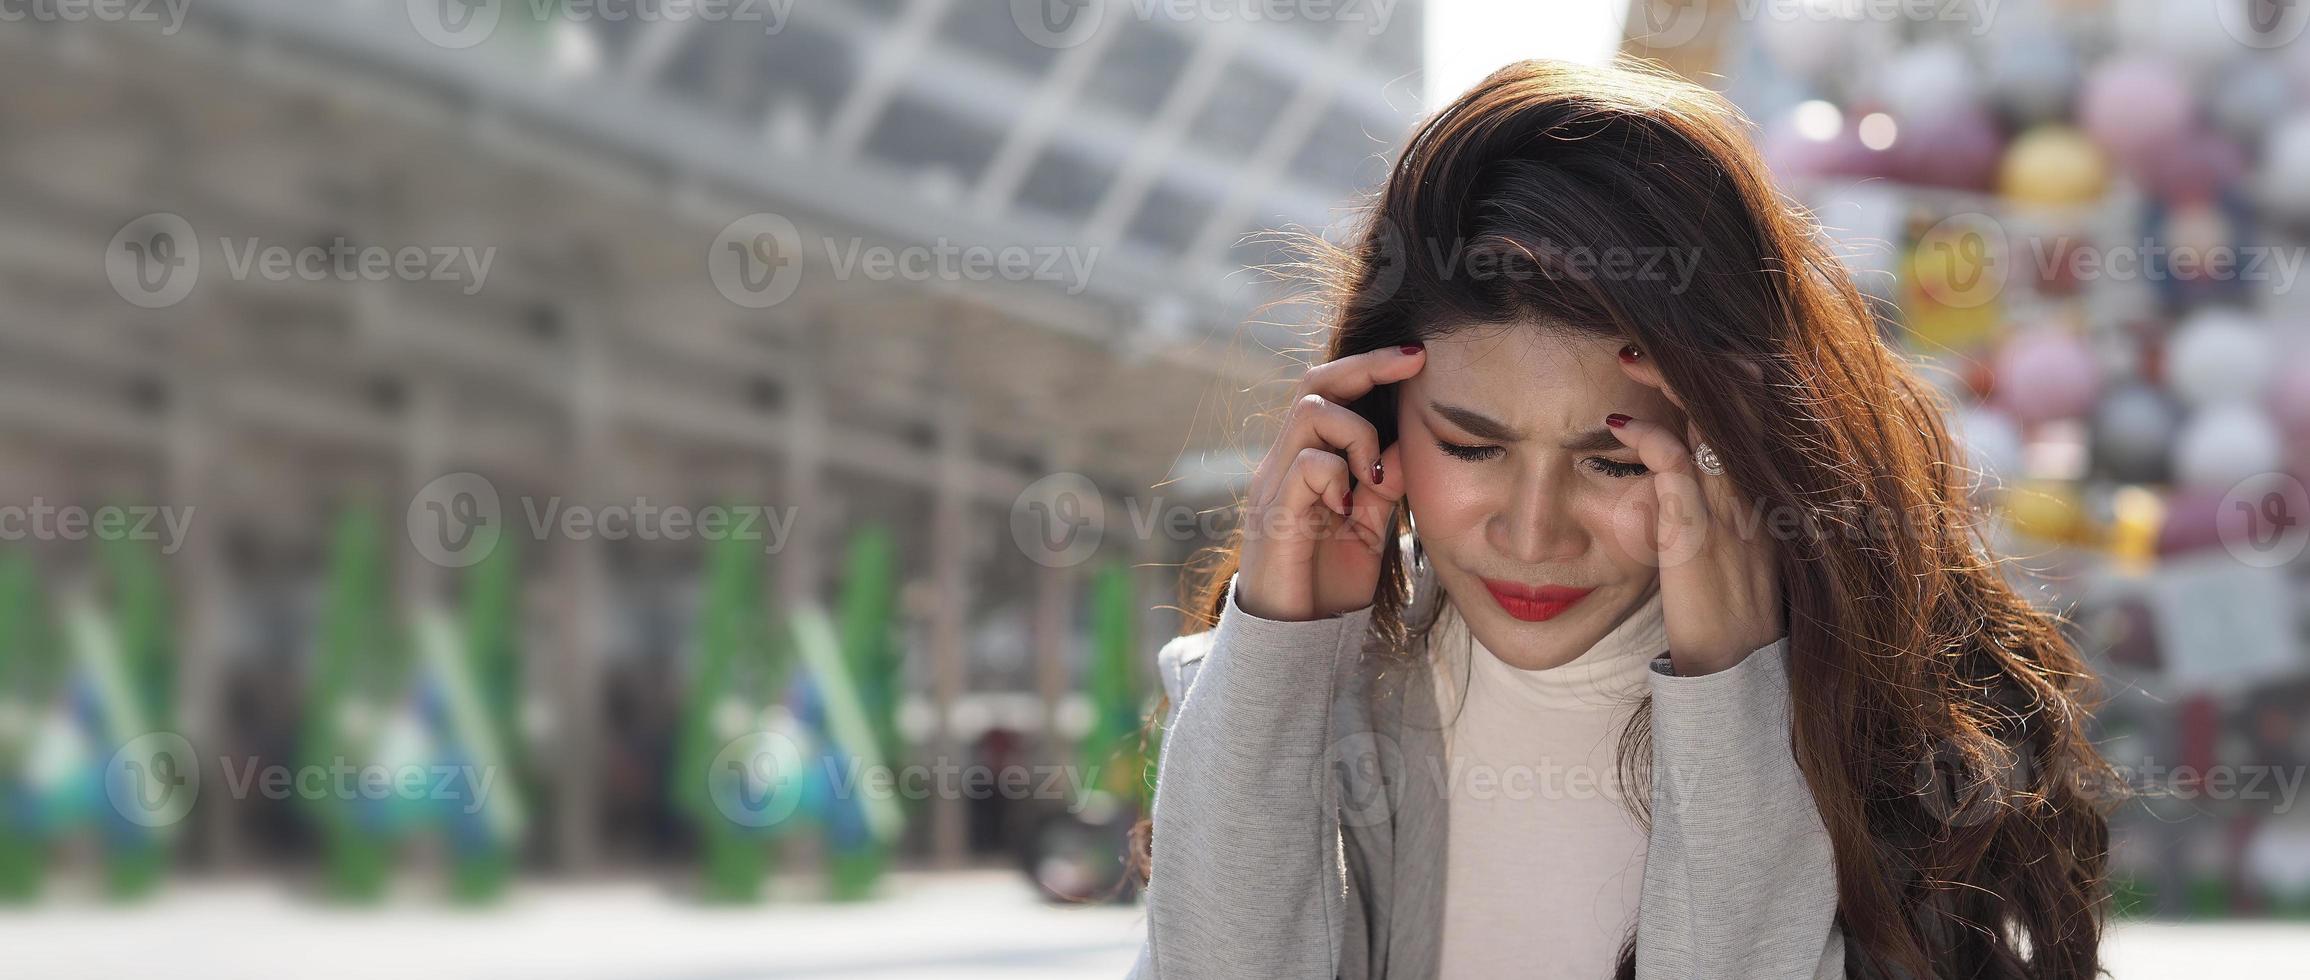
1534 603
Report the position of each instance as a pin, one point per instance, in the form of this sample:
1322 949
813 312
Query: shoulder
1180 658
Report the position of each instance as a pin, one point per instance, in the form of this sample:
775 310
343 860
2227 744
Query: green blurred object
1112 749
860 827
2130 898
360 662
740 671
2208 897
493 665
869 610
135 862
29 673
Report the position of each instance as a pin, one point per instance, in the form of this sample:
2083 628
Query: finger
1317 477
1683 502
1374 504
1351 377
1319 423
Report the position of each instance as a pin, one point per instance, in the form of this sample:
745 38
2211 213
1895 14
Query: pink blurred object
2046 374
2290 399
2135 106
2216 515
1958 147
2194 167
2193 520
2058 276
1791 153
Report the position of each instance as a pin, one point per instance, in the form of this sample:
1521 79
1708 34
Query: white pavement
958 926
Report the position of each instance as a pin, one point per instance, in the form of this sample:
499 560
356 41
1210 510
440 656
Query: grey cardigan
1300 825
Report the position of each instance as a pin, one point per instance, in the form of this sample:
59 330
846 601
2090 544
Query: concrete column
1056 653
573 668
950 624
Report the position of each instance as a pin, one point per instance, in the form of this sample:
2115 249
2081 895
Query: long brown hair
1939 716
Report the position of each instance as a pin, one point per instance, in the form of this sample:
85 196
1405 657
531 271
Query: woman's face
1533 516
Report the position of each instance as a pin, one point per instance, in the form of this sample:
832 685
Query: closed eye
1617 469
1472 454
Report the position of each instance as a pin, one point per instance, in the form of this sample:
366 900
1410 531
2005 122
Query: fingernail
1379 471
1413 348
1616 420
1629 353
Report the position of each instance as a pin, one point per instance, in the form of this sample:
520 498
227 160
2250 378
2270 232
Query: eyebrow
1482 426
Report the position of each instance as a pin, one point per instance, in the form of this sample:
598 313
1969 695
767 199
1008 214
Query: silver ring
1705 458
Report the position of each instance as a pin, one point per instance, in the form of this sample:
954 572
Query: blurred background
693 488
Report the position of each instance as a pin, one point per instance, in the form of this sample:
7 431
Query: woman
1609 481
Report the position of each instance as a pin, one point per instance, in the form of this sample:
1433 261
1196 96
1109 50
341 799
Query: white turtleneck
1545 862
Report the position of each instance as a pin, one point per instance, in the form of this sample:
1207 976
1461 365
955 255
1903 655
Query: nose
1536 524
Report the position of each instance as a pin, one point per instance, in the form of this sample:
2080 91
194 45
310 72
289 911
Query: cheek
1449 498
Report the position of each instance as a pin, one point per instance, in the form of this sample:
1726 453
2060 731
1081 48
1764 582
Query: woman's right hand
1312 536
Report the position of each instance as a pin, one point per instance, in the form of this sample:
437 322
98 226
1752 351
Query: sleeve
1739 877
1247 864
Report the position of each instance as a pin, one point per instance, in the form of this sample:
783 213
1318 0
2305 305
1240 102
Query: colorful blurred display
481 482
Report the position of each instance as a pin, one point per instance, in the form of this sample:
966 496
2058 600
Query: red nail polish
1379 471
1413 348
1629 353
1616 420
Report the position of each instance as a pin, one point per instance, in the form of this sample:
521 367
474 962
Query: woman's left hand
1719 573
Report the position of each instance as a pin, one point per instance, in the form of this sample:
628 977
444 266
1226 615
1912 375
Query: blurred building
882 262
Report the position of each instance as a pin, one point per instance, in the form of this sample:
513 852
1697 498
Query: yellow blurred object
2136 516
2048 511
2054 166
1947 303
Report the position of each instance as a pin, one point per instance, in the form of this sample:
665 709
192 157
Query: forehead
1529 374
